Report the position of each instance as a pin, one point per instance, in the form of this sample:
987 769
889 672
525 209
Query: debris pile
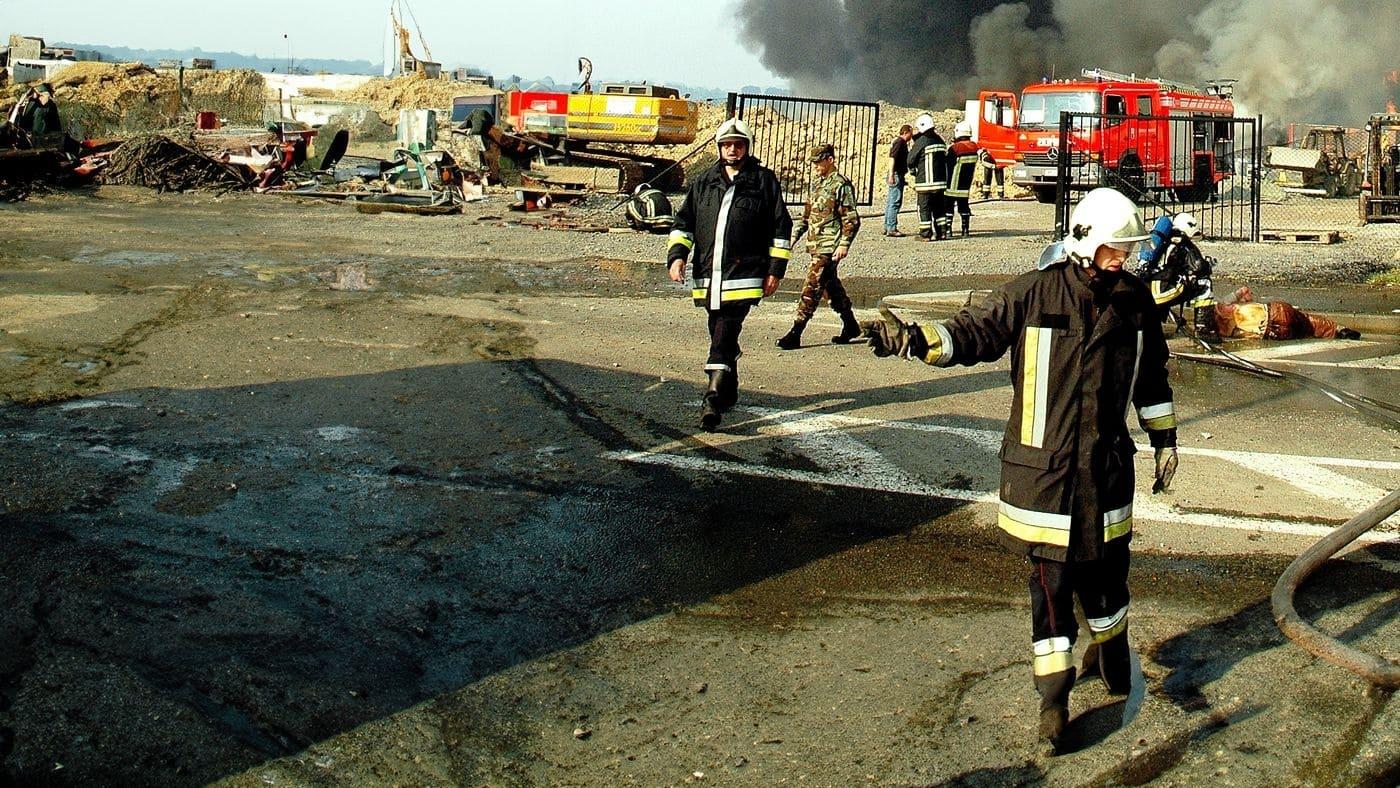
158 162
388 96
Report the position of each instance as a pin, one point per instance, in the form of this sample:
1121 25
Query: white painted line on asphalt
847 462
1144 509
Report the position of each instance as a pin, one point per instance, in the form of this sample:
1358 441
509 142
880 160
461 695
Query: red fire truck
1184 160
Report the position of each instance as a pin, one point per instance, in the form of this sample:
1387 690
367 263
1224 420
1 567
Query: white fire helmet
734 129
1186 224
1103 217
923 123
963 129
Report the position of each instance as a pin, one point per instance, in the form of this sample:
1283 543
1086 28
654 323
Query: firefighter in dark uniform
1178 274
735 222
1086 346
830 222
928 162
648 210
962 169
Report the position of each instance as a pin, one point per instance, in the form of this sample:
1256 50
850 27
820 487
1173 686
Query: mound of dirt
388 96
111 97
236 94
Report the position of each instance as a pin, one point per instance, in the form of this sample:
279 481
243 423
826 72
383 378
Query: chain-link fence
1312 180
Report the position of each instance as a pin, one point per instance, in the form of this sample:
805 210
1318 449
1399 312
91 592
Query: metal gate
785 127
1208 165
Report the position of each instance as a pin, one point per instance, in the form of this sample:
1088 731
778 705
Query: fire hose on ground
1377 670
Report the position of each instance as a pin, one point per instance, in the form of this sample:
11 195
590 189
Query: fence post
1062 190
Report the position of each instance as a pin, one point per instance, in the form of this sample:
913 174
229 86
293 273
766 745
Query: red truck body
1174 157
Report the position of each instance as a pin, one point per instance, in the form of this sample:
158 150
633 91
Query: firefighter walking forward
736 224
928 162
1086 346
830 223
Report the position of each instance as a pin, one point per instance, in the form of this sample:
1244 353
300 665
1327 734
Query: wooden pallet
1300 236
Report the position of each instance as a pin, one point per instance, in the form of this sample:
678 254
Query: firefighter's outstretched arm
1152 396
978 333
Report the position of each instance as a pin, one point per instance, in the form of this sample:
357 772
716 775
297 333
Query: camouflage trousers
821 278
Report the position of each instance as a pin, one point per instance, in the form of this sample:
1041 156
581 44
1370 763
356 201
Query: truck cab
993 119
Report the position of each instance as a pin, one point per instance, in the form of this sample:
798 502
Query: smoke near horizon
1319 61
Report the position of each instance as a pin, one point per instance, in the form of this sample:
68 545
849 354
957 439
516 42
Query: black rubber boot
1115 664
728 388
710 409
966 220
792 340
850 329
1054 709
1089 666
1053 720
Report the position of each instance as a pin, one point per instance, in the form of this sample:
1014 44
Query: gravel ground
1008 236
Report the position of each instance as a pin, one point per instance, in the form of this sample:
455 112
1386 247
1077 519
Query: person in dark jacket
1086 346
40 117
928 163
735 227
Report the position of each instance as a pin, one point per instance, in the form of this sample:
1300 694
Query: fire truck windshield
1041 110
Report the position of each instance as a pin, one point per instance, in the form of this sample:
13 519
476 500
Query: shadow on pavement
196 581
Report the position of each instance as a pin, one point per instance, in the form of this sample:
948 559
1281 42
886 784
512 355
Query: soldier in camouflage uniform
830 222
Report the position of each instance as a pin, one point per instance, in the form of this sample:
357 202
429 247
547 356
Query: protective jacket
738 230
962 166
928 161
1082 355
1178 273
650 211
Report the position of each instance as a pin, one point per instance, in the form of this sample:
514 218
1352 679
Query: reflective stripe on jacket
737 230
1080 362
962 166
928 162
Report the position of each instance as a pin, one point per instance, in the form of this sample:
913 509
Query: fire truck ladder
1103 75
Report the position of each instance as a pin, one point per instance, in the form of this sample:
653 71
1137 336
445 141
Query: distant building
169 63
472 77
202 63
26 47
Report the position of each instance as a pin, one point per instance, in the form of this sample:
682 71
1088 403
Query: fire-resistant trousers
931 209
1102 588
725 325
822 278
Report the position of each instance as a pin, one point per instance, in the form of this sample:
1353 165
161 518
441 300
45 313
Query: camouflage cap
822 151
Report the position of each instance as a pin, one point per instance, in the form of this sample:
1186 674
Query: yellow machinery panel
643 120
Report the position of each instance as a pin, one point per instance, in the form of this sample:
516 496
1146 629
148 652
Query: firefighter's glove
1166 468
890 336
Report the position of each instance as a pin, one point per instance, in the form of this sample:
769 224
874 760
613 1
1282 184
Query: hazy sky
690 41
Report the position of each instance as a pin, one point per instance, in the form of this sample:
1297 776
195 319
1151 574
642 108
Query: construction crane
398 55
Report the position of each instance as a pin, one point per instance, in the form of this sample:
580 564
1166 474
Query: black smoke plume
1322 61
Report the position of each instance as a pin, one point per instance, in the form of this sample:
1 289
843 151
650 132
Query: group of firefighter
943 177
